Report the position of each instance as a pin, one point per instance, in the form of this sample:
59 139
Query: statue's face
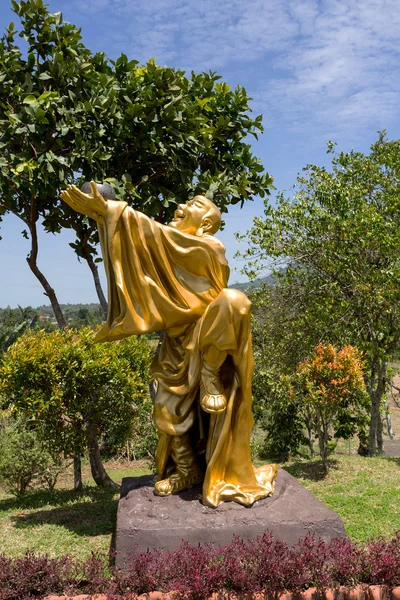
189 217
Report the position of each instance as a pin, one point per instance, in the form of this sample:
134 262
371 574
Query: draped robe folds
160 278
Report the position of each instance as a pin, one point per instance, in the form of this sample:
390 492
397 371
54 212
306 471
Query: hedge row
196 572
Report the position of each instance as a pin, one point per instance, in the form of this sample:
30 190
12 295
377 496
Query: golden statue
174 278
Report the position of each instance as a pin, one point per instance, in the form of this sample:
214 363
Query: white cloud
343 76
325 65
207 34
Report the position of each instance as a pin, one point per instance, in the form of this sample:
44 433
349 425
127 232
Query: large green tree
337 240
157 135
281 340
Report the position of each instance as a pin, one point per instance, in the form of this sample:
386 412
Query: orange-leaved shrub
331 380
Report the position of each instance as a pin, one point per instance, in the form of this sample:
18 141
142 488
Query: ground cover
365 492
62 521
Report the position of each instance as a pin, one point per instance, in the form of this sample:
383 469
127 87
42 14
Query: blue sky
317 71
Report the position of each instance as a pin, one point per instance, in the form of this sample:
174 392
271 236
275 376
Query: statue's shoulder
213 241
218 250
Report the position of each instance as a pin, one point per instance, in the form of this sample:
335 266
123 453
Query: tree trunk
373 426
153 389
379 436
31 259
323 446
377 388
77 472
308 421
388 420
96 278
99 473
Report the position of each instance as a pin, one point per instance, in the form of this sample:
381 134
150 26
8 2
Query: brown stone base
146 521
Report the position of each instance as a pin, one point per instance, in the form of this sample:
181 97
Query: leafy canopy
338 239
157 135
62 382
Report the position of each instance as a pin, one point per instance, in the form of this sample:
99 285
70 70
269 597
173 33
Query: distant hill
68 309
253 285
78 314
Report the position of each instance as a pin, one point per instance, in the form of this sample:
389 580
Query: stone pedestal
146 521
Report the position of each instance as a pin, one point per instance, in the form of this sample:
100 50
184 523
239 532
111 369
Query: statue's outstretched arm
93 205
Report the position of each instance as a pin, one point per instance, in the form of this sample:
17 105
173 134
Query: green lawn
62 521
365 492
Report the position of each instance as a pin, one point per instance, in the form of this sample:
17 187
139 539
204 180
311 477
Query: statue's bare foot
212 397
177 482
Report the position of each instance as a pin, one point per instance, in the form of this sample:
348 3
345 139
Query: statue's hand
93 205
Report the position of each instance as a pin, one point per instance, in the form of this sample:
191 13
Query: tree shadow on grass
83 518
393 459
312 470
90 512
37 498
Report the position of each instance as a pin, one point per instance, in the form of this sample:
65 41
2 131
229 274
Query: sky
316 70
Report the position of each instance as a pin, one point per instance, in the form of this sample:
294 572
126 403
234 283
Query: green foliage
331 381
278 347
155 134
14 322
338 243
283 419
65 385
25 461
144 436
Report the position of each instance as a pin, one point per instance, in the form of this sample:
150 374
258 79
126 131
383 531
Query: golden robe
160 278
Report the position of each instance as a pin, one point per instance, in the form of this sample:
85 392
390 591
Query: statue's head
198 216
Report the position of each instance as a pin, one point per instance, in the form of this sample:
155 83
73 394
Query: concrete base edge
359 592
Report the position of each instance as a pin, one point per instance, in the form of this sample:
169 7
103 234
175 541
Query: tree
278 348
286 330
338 241
76 392
14 322
330 381
157 136
41 123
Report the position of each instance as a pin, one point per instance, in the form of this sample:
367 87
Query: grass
365 492
63 521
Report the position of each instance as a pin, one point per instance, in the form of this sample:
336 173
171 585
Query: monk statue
174 278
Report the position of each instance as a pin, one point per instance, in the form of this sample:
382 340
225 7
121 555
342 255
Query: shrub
53 466
23 461
32 575
264 564
345 562
382 562
196 572
332 389
78 393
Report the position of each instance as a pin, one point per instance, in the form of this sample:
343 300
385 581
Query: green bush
24 461
80 396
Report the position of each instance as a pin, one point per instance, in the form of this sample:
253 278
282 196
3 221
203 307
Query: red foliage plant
195 572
